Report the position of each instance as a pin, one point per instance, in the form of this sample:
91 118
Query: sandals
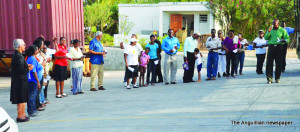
64 95
59 96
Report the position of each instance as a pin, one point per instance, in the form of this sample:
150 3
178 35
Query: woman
241 54
77 67
61 64
34 78
19 81
230 48
39 42
260 45
153 53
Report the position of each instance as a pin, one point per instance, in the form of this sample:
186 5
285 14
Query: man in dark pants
190 44
289 30
158 67
276 37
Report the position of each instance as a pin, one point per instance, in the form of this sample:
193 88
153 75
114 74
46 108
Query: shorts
60 73
130 74
199 67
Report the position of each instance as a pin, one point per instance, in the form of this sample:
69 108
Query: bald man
276 37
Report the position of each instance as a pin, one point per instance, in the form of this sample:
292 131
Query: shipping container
28 19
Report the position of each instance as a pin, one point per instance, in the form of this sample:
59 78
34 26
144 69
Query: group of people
30 74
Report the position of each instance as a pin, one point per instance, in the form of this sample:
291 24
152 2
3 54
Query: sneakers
64 95
277 81
135 86
219 75
269 82
125 84
128 87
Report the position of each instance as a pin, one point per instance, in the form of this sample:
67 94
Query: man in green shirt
276 37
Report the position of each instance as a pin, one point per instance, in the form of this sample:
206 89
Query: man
158 67
213 43
97 61
222 56
276 37
181 34
190 44
289 30
170 45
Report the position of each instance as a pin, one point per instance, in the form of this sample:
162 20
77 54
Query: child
198 62
144 60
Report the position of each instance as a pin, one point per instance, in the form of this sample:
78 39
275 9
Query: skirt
60 73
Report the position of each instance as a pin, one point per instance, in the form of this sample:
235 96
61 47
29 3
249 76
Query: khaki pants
170 62
97 70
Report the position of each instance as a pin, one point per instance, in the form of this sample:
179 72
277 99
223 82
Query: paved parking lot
223 105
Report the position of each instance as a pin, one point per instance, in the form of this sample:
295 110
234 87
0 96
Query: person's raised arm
55 44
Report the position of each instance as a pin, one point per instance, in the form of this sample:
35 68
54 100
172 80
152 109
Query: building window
203 18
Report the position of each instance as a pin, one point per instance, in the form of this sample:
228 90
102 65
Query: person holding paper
213 43
97 61
289 30
131 57
260 45
151 67
190 44
231 45
170 45
276 37
221 56
241 54
77 67
61 64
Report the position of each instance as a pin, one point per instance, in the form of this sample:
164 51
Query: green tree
249 16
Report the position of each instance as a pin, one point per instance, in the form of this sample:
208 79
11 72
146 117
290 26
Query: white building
164 15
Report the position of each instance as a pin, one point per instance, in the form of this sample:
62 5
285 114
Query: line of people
30 74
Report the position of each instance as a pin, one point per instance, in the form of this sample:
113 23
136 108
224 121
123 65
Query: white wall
143 17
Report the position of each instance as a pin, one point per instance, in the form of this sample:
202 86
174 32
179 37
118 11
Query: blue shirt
153 50
289 30
38 68
96 46
169 43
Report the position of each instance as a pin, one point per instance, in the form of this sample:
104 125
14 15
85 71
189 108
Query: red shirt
62 51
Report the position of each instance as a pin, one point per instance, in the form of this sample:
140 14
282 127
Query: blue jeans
77 74
42 96
32 95
240 59
212 64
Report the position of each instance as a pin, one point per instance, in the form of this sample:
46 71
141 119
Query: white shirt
76 54
199 59
190 44
132 55
213 43
243 42
260 42
137 45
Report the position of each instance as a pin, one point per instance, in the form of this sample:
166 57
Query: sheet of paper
235 39
156 62
235 51
130 69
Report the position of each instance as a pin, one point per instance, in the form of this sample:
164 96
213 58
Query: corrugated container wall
28 19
